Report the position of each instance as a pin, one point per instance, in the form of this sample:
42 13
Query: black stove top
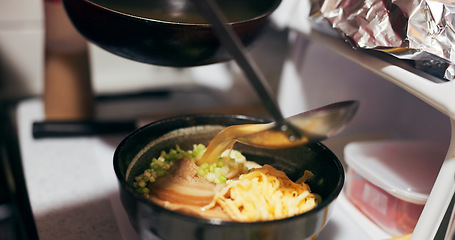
16 219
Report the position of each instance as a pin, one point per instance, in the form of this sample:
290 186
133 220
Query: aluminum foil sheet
419 30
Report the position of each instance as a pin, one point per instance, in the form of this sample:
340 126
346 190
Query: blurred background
303 74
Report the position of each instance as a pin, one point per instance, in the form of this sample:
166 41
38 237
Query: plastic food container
389 181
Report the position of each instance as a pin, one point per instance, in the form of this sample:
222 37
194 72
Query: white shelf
438 94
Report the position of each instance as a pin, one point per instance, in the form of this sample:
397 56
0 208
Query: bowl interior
185 11
135 152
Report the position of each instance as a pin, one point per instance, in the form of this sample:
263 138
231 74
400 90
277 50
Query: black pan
150 219
165 32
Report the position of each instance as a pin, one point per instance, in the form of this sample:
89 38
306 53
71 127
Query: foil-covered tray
422 31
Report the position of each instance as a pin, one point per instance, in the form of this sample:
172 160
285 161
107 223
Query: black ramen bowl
150 220
166 32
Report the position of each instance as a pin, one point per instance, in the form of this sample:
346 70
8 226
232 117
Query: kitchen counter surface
73 190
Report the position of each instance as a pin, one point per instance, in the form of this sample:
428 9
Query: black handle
232 43
48 129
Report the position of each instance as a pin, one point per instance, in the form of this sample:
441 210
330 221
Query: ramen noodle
231 189
264 194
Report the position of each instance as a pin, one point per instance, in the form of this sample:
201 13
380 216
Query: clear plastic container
389 181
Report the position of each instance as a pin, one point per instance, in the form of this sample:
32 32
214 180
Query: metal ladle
232 43
312 126
296 129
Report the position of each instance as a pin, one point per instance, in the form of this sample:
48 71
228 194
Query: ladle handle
232 43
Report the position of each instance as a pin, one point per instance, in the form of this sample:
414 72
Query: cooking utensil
233 44
133 154
312 126
165 32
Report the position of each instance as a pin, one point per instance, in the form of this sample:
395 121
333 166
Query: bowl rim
269 11
218 222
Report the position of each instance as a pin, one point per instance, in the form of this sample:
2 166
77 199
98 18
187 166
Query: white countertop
73 189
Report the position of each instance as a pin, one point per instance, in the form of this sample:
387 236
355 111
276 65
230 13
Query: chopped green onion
220 179
213 172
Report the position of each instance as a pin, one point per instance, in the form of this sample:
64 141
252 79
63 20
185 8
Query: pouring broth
252 134
226 139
